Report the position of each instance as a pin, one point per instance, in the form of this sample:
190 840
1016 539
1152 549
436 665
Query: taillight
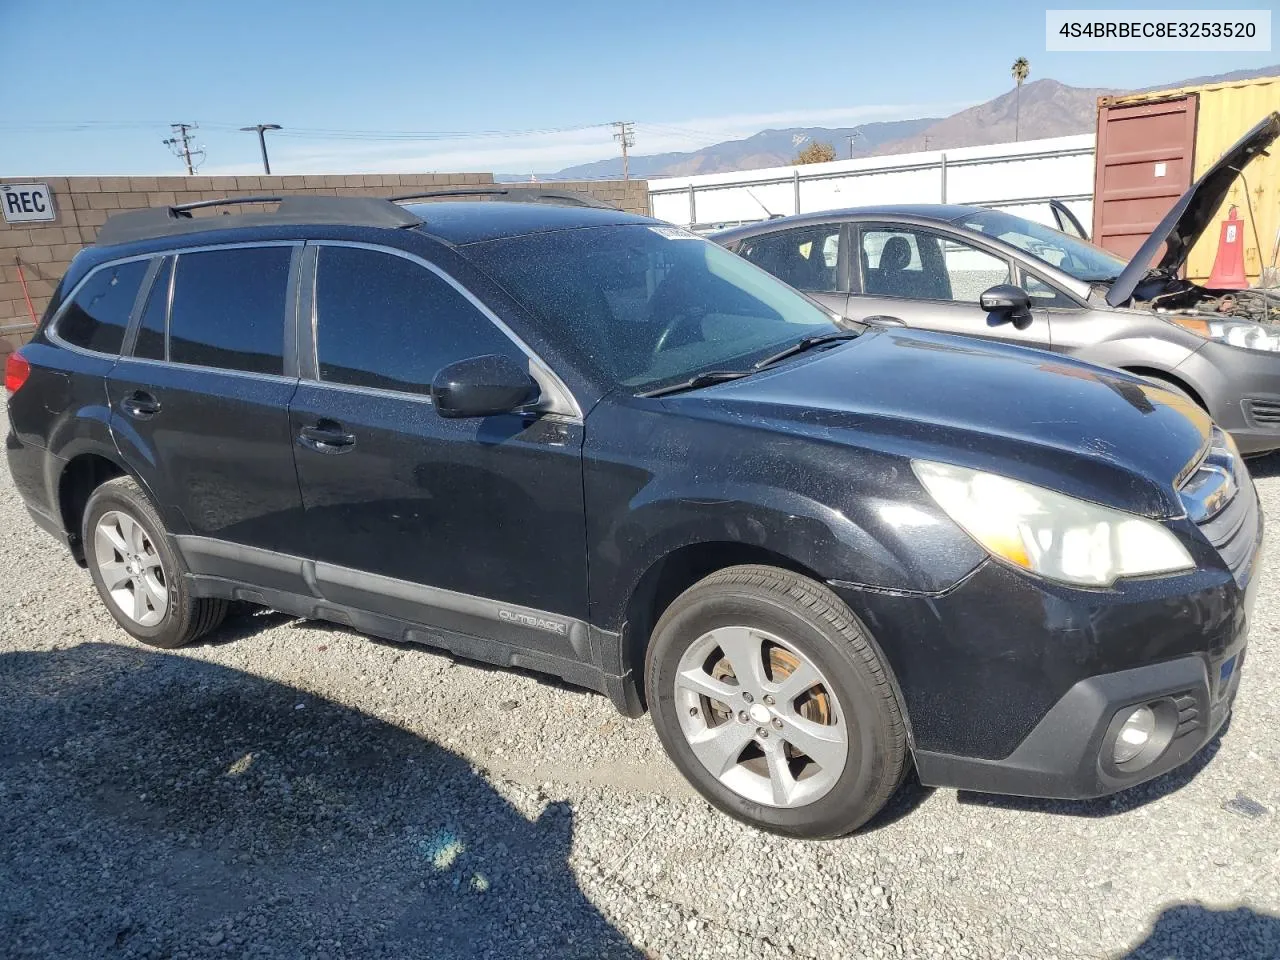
16 370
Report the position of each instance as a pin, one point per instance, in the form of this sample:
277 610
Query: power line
180 144
626 135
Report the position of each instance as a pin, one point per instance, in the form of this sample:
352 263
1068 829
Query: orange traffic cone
1228 264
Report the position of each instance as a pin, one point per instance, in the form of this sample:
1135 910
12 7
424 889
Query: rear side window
387 322
150 342
229 308
96 319
807 258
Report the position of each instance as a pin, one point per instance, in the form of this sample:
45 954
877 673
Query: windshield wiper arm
805 343
697 380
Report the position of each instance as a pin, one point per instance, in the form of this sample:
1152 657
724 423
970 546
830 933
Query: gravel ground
291 789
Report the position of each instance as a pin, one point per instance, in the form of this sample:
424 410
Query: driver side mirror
482 387
1009 303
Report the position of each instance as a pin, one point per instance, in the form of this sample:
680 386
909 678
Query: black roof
457 222
468 221
938 212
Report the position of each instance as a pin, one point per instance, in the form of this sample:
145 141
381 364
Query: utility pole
626 136
261 130
852 137
180 144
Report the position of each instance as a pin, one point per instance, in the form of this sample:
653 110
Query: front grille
1263 413
1219 497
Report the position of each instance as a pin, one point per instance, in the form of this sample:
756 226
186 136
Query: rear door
812 259
474 526
199 405
931 279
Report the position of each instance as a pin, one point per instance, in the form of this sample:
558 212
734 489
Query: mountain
1229 77
768 148
1049 109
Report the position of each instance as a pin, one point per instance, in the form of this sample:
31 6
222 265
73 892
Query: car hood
1194 211
1084 430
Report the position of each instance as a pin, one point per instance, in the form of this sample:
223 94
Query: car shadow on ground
1192 931
1264 466
153 805
1118 803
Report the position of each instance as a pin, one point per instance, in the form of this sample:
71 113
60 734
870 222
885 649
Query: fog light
1135 734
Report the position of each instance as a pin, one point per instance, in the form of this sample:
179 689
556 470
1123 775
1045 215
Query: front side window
640 304
807 258
229 308
388 322
1043 295
919 265
96 319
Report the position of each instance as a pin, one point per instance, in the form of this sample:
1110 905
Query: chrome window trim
51 329
245 374
555 391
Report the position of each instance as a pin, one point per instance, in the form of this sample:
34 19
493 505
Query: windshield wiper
805 343
697 380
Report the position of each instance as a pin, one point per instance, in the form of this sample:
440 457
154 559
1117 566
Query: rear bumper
1068 755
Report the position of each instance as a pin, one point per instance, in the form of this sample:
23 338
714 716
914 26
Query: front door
474 526
932 280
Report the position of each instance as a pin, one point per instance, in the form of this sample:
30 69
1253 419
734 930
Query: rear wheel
138 574
769 698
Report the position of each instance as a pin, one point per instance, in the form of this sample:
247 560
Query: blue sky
688 73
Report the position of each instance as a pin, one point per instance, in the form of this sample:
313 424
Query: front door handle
140 405
327 436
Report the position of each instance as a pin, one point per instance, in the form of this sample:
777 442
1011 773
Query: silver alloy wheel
736 693
131 568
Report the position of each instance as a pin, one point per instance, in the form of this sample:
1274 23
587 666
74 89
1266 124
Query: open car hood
1192 214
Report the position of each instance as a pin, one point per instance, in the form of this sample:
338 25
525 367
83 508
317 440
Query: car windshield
642 304
1071 255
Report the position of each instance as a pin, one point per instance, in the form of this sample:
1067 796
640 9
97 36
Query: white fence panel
1019 177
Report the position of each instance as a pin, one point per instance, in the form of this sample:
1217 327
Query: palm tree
1021 68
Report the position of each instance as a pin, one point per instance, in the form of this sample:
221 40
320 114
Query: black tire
821 627
186 617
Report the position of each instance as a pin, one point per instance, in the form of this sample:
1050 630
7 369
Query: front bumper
1068 755
1241 389
1016 685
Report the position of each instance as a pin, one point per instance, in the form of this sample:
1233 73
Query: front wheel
770 699
138 574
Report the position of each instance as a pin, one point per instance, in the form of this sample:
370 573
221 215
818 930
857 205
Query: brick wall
84 203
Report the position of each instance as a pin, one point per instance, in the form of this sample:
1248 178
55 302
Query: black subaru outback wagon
594 445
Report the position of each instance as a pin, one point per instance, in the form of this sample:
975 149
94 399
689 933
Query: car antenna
770 213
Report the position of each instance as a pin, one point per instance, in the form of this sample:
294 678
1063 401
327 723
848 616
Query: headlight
1237 333
1242 333
1047 533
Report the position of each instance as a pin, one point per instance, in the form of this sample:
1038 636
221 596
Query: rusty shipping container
1152 145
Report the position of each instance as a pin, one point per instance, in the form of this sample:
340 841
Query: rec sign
26 202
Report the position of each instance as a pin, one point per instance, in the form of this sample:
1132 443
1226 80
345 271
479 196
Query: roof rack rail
518 194
176 219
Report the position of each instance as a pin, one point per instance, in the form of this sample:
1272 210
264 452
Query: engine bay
1177 297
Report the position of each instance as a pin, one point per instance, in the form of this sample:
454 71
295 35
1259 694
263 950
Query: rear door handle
140 405
327 436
